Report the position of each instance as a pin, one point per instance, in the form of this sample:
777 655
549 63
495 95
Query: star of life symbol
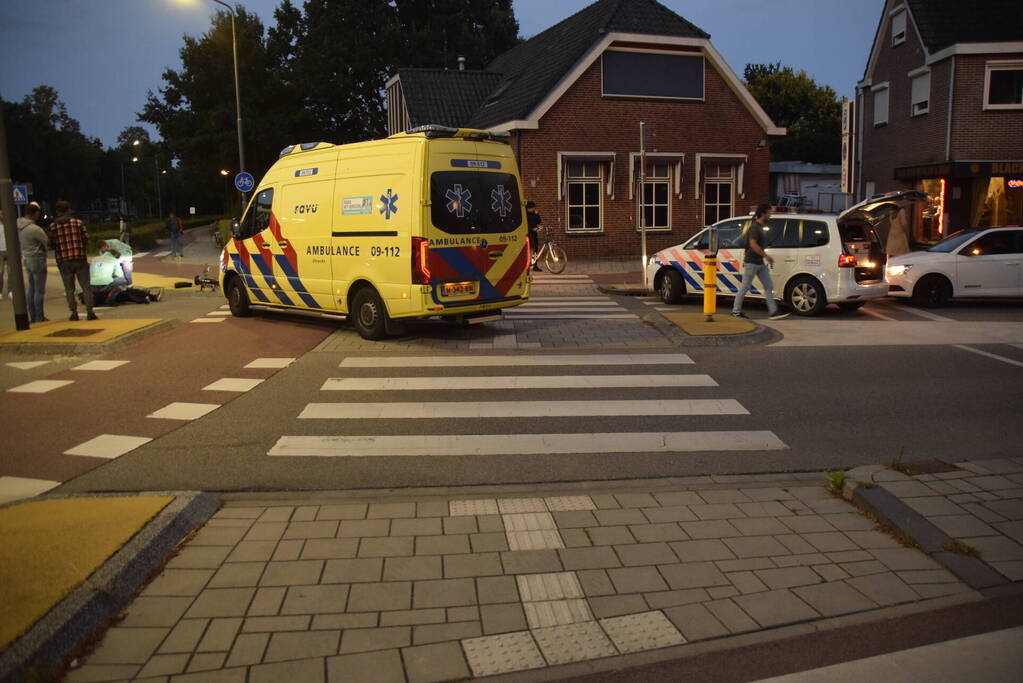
459 203
390 204
501 203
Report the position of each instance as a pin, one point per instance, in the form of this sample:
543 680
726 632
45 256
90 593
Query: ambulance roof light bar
433 130
302 147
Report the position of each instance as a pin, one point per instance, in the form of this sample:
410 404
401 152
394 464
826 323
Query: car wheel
933 291
806 296
672 287
851 305
369 315
238 298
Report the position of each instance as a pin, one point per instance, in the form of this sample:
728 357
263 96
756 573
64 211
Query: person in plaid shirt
70 239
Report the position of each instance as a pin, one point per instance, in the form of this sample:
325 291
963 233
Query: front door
990 265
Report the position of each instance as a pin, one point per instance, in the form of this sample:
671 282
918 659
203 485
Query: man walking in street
177 231
753 265
70 240
34 244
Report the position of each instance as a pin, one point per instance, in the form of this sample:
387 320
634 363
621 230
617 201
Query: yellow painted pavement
79 332
695 324
51 546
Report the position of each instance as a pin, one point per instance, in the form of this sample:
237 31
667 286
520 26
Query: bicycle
218 239
550 255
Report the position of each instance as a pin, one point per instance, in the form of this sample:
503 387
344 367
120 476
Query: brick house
573 97
941 110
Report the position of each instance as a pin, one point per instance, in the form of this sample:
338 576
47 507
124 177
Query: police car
819 259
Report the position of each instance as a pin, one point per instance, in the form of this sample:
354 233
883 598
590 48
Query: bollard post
710 287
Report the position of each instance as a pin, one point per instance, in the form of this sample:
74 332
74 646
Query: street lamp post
237 93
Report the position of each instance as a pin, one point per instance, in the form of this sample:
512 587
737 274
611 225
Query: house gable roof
941 23
445 97
533 68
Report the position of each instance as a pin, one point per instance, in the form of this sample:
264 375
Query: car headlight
899 269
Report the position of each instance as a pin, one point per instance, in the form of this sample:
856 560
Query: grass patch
834 481
959 548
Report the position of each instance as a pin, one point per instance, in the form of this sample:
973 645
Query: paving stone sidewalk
432 588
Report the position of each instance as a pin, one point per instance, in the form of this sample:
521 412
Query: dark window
781 233
645 74
258 218
999 242
815 234
474 202
655 198
1006 86
730 234
584 180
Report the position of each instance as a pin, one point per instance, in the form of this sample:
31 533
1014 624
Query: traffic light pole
17 285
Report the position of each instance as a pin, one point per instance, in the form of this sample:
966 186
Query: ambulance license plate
459 288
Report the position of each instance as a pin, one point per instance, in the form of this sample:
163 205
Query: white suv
818 258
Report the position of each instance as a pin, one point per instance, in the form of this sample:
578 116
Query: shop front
963 194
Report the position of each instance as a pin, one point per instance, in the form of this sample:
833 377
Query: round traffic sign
244 182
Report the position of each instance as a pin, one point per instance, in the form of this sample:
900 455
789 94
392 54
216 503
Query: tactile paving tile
502 653
567 503
542 539
643 631
556 612
513 505
461 508
553 586
528 521
573 643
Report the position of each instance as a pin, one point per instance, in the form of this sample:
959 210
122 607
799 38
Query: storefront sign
1015 184
960 169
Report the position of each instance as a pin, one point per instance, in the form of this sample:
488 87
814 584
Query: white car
818 258
966 264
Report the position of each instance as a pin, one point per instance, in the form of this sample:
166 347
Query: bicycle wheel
555 259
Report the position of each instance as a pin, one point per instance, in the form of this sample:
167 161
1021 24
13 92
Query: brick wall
583 120
978 134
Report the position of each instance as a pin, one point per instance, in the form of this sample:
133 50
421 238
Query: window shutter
881 106
921 91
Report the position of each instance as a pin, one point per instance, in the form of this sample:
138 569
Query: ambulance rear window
475 202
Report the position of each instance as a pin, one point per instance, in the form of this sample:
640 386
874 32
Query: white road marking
588 303
184 411
524 444
207 320
218 313
40 386
108 446
275 363
516 361
100 365
28 364
233 384
500 409
926 314
524 382
567 316
995 356
882 316
160 254
19 488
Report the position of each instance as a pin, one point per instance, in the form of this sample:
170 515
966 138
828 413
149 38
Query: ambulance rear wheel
369 315
672 287
238 298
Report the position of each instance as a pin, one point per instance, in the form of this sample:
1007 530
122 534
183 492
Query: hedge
144 234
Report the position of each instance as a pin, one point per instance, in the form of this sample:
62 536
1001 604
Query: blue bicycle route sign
244 182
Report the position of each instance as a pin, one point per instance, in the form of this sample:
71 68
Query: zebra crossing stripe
500 409
553 315
518 361
525 382
586 302
524 444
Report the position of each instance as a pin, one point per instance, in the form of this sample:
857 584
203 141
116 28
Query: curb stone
931 540
675 334
106 591
65 348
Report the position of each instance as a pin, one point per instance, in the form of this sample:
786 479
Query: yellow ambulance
425 223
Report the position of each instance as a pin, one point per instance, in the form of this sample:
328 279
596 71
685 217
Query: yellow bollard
710 287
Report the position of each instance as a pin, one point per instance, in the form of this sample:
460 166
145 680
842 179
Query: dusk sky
102 56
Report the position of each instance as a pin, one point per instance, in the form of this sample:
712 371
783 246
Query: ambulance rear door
478 249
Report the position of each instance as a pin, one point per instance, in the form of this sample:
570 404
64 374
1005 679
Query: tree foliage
47 149
812 114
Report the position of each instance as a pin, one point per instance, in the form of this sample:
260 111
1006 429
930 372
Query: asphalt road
830 406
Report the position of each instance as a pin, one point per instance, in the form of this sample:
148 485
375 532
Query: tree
811 114
48 150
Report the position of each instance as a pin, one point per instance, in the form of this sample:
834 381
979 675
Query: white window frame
874 90
916 76
587 180
740 171
651 181
898 19
999 65
731 180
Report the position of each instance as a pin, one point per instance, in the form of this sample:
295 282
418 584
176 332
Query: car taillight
846 261
420 268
